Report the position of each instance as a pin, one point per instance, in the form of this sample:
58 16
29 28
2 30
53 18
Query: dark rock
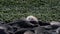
20 32
2 31
22 24
39 30
43 23
58 30
47 27
29 27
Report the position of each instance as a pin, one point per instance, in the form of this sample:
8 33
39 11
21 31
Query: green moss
45 10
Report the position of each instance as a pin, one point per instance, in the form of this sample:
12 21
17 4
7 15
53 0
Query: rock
22 24
47 27
55 23
20 32
28 32
43 23
3 30
39 30
58 30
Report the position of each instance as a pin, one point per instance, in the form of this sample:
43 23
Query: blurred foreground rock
23 27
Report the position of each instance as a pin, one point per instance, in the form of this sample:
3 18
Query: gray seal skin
33 20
